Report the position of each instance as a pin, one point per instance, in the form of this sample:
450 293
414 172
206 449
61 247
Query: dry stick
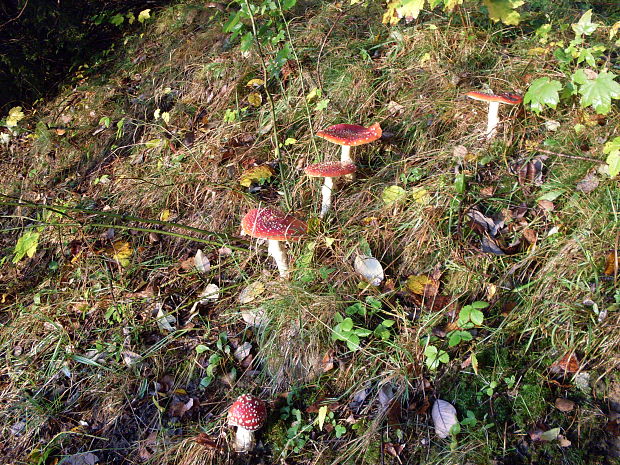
574 157
222 237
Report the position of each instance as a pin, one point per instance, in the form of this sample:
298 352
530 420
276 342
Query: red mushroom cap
247 412
330 169
351 134
269 223
510 99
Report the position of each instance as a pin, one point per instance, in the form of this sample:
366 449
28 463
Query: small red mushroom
247 413
275 226
494 102
350 135
329 170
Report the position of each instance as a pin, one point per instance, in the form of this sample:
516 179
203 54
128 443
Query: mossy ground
86 366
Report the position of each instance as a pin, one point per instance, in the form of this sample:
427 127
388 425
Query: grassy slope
73 318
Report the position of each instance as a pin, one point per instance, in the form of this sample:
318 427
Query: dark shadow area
42 41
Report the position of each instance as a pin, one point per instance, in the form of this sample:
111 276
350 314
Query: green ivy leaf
597 92
585 26
542 92
504 11
26 245
612 150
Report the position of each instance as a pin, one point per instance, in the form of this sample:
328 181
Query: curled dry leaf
201 262
444 417
178 408
369 269
255 317
251 292
211 293
130 358
588 184
393 449
243 351
164 320
564 405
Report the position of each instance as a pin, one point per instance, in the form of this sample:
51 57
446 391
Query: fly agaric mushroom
494 102
350 135
329 170
275 226
248 414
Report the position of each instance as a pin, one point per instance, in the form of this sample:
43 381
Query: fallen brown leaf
567 364
564 405
393 449
588 183
611 263
207 441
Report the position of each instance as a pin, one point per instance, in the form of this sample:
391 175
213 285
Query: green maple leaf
612 150
504 10
543 92
597 92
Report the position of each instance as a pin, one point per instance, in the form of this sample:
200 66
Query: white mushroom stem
345 157
493 120
276 250
244 440
326 192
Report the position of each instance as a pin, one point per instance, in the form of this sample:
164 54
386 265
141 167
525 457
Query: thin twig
574 157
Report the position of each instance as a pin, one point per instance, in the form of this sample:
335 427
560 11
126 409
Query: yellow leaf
537 51
397 9
321 417
257 175
15 115
166 117
426 57
614 30
255 99
329 241
504 11
164 215
417 283
255 83
144 15
474 363
452 4
420 195
121 251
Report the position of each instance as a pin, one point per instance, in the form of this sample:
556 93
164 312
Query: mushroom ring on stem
248 414
494 101
329 170
275 226
350 135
